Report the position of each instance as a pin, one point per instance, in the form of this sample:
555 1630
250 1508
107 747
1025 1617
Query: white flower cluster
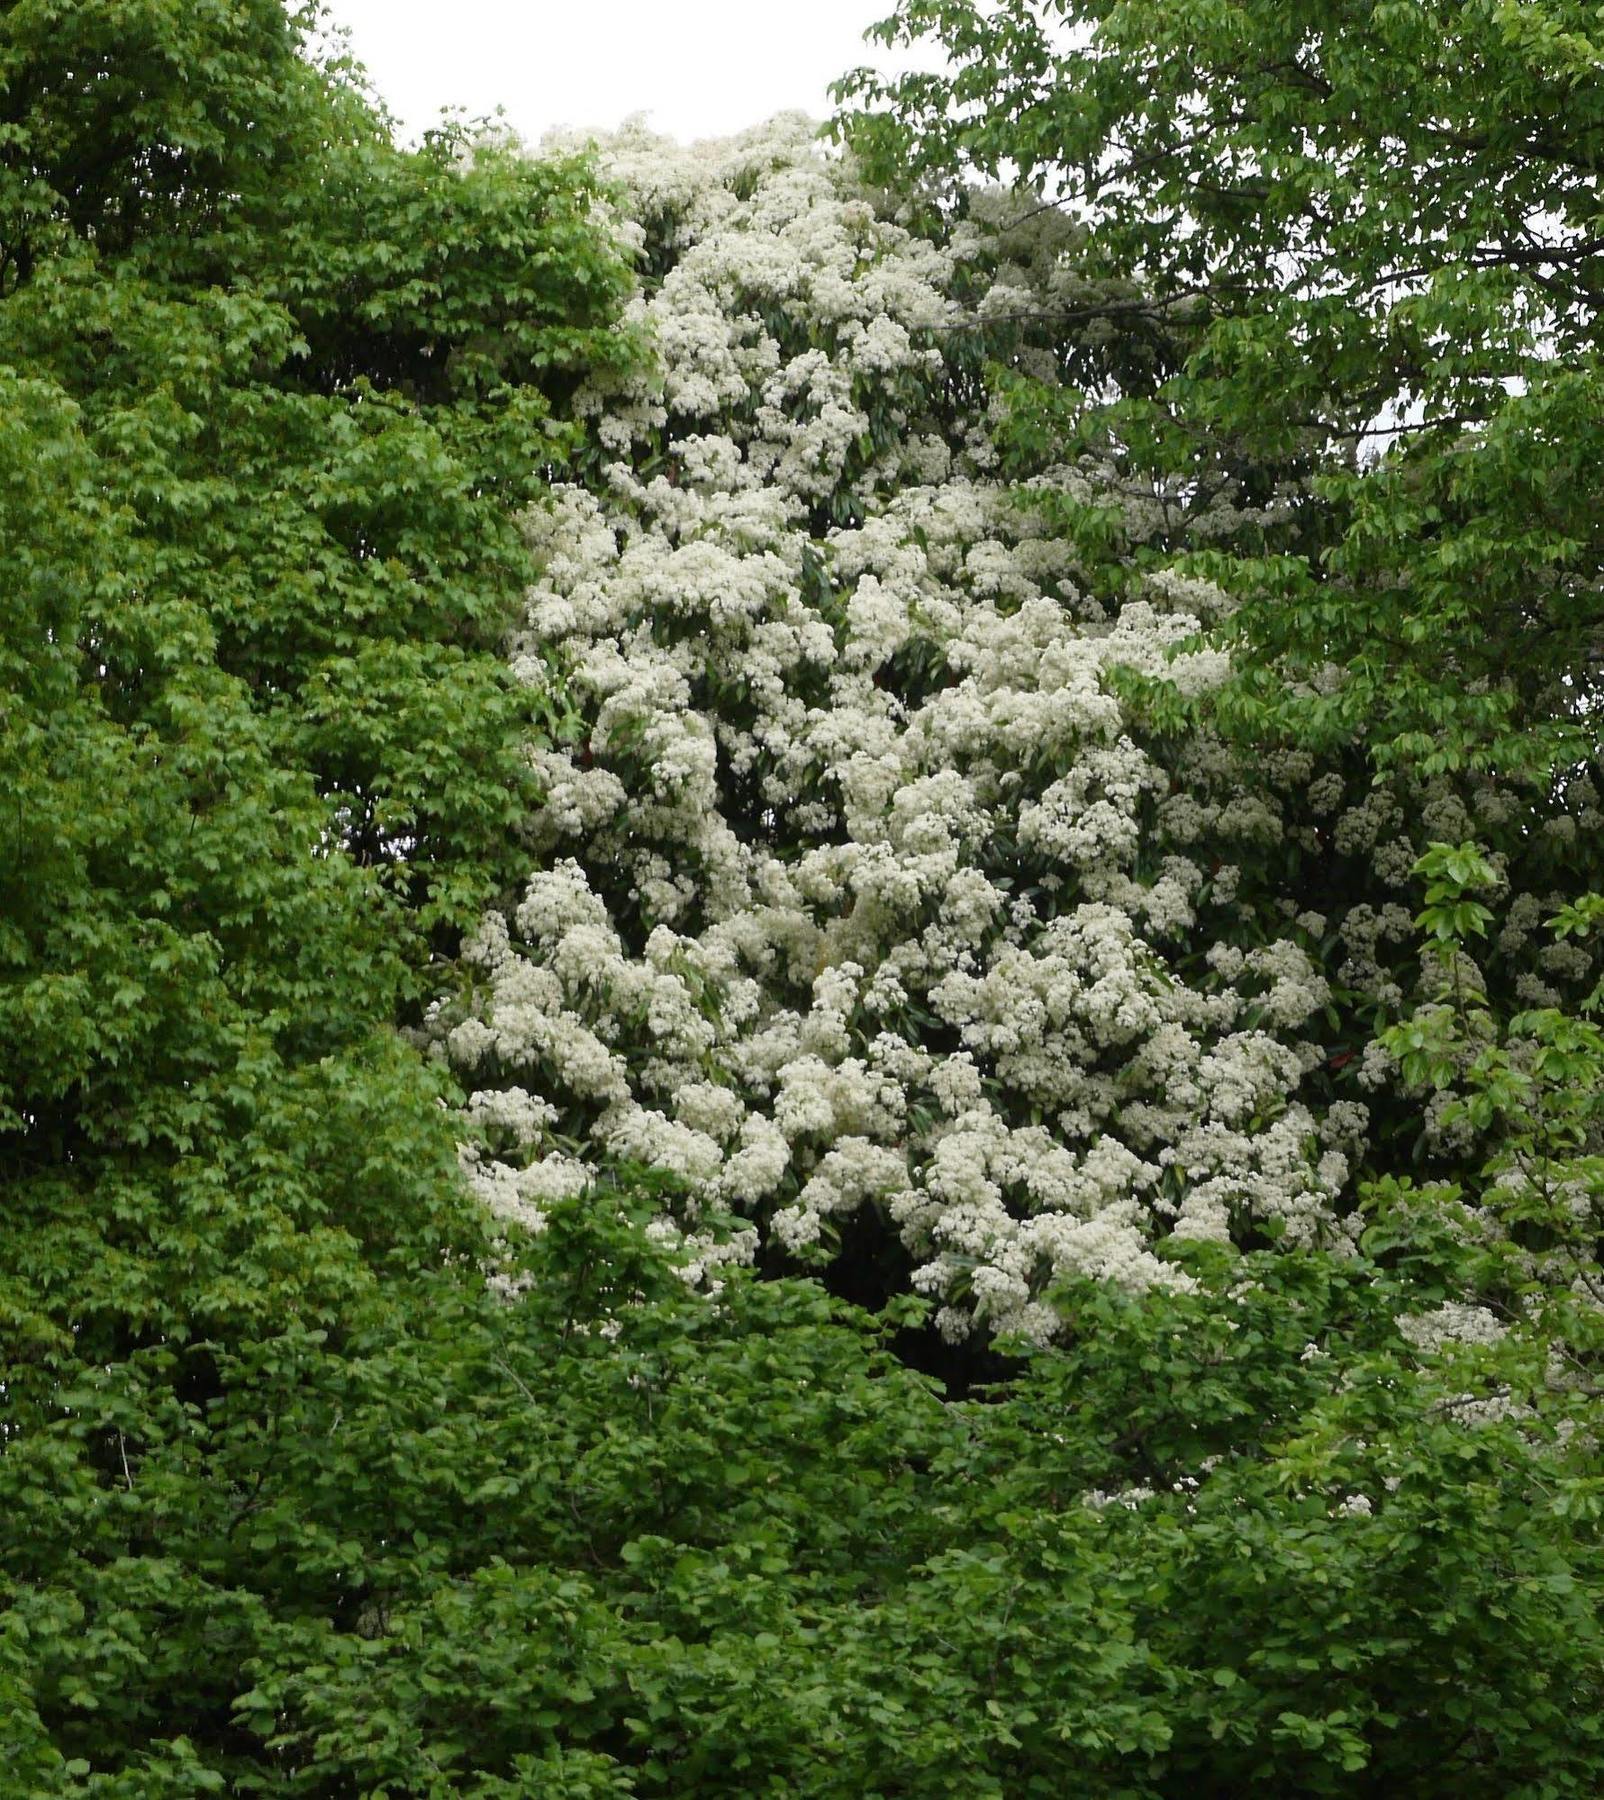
855 887
1451 1323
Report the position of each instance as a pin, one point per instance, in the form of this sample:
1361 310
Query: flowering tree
858 890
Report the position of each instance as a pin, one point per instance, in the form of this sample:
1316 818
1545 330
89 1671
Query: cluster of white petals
855 886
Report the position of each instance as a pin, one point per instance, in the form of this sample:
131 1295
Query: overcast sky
699 68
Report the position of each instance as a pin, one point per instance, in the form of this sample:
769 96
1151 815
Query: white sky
698 68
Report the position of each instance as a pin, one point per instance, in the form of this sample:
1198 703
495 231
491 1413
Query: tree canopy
798 992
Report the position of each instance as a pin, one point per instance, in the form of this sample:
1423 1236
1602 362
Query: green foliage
349 555
136 118
1528 1086
261 754
1363 237
606 1539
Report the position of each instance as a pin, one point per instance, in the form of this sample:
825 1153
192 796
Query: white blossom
854 884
